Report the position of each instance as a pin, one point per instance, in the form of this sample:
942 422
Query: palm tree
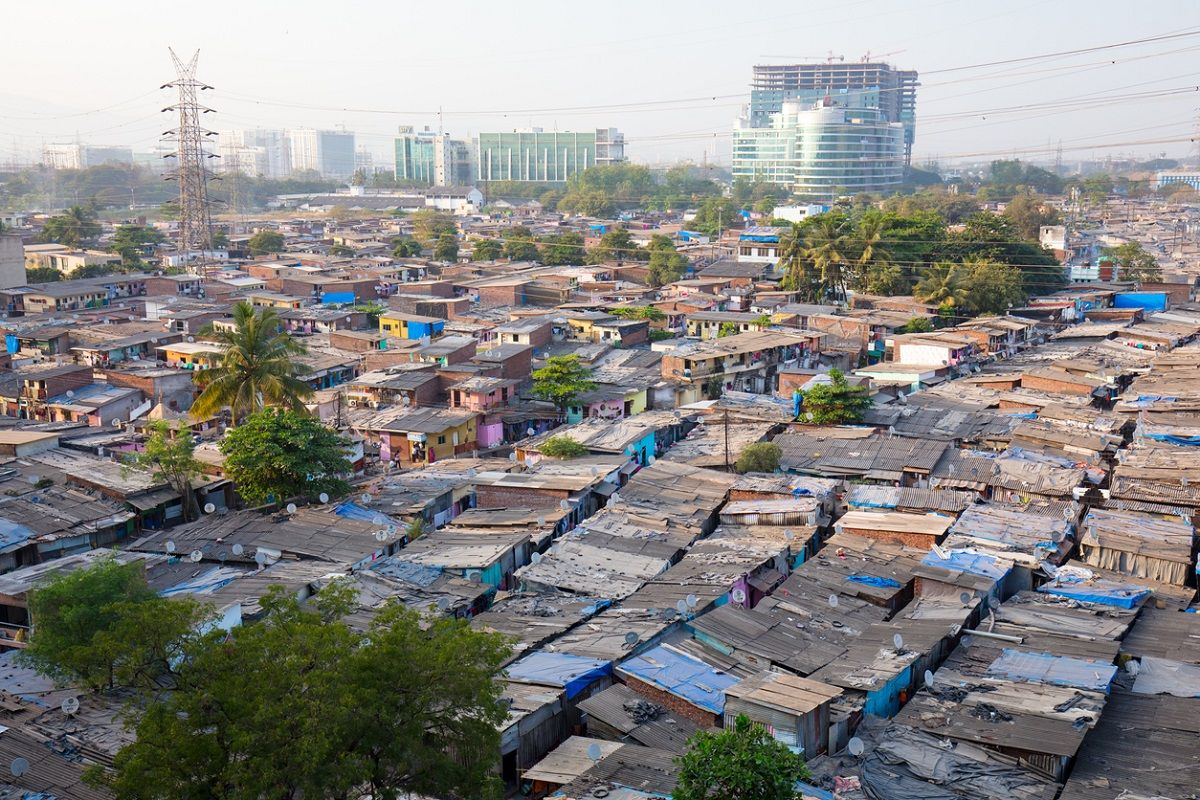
255 369
942 285
827 247
797 271
873 255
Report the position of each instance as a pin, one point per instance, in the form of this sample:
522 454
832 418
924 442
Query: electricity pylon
191 170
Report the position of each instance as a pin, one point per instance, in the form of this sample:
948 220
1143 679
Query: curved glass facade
822 152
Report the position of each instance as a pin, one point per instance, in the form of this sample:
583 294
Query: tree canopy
264 242
74 227
561 380
486 249
563 249
835 402
254 369
741 762
132 242
666 265
519 244
562 447
446 248
280 453
169 457
760 457
1135 262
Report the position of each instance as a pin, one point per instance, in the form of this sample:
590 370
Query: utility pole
191 171
727 440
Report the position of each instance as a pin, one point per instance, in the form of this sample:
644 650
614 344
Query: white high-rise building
82 156
330 153
260 152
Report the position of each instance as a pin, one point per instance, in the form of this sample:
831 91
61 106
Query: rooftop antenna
191 171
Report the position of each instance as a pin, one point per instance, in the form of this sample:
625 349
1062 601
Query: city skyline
671 81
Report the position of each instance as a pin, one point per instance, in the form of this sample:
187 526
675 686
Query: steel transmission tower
191 172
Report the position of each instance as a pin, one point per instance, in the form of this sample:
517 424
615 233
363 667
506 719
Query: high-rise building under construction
859 84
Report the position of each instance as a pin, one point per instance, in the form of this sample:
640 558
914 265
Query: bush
562 447
761 457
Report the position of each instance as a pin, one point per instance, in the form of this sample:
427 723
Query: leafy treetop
835 402
282 454
741 762
561 380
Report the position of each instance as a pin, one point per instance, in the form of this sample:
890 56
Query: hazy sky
671 75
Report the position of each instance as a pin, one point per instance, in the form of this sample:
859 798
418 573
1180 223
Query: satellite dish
530 431
443 603
260 558
855 745
209 508
170 546
512 456
593 751
381 535
898 640
290 508
18 767
71 704
616 498
191 339
965 598
692 601
833 601
116 423
475 577
564 505
595 472
1132 667
681 606
738 595
195 556
651 459
541 520
536 558
631 638
70 393
323 497
238 549
366 498
928 679
968 642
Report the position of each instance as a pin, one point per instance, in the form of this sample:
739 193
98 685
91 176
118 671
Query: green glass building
416 160
537 156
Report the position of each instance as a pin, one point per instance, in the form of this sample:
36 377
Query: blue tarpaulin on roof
1080 673
1187 441
875 580
205 583
682 676
1096 590
352 510
13 533
970 561
337 298
572 673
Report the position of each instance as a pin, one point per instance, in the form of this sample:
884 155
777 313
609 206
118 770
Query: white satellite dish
209 508
18 767
898 641
366 498
70 394
260 558
855 746
238 549
738 595
170 546
593 751
692 601
541 520
681 606
71 704
381 535
631 638
196 556
928 679
833 601
1132 667
474 576
443 603
323 497
512 456
290 508
788 535
965 598
616 498
564 505
536 558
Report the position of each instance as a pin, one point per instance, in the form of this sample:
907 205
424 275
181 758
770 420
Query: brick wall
676 705
518 497
493 296
1055 386
922 540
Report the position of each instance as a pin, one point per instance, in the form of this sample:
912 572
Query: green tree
429 225
942 285
220 240
871 245
562 447
588 203
741 762
1136 263
992 237
991 287
410 706
563 249
486 249
255 367
639 312
42 275
446 248
132 242
341 251
715 215
281 453
168 455
519 244
836 402
666 265
103 626
406 247
819 257
1028 213
615 245
75 227
726 329
264 242
760 457
916 325
561 380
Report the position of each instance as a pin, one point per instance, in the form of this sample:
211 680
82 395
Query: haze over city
671 75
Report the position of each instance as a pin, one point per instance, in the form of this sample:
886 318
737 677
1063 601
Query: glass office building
537 156
415 159
821 151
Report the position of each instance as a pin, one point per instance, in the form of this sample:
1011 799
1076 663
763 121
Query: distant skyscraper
427 157
855 84
537 156
330 153
82 156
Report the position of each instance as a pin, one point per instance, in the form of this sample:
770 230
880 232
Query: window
442 439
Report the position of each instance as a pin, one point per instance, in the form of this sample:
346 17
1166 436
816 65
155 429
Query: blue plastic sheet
1097 590
1187 441
971 562
682 676
875 580
572 673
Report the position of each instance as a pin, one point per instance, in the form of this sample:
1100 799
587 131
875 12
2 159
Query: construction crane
866 59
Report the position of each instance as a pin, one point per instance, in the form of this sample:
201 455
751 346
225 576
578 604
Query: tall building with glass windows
856 84
822 150
538 156
330 153
431 158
